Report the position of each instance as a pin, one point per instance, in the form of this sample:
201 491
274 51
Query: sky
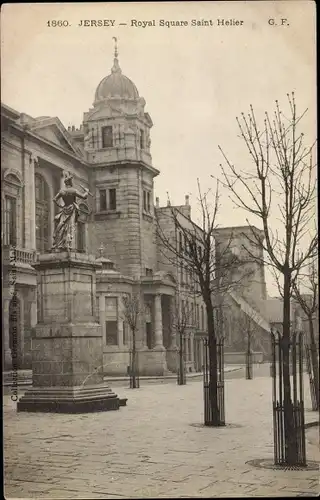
195 79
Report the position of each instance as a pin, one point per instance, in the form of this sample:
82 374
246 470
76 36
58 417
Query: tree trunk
314 360
249 358
289 428
213 367
134 364
181 377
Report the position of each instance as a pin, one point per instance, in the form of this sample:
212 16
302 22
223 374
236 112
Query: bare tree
131 313
182 319
192 249
308 301
280 185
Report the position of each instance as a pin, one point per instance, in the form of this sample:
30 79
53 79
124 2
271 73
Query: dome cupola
116 85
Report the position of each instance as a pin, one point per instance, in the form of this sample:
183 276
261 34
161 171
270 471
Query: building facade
110 154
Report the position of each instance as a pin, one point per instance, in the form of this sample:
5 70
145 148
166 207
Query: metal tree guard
208 410
133 370
313 391
291 411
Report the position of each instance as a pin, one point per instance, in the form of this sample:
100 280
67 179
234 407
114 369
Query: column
158 321
192 349
173 331
6 344
120 323
31 202
186 348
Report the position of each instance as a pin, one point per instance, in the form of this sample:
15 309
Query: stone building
109 154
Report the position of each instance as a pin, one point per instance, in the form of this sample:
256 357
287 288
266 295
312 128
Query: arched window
81 228
42 213
11 209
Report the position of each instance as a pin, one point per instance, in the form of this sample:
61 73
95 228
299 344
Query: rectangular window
146 201
112 199
141 139
103 199
198 315
107 137
81 236
125 332
111 316
112 332
149 272
10 221
108 199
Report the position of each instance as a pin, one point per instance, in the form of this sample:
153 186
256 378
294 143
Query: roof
250 311
116 85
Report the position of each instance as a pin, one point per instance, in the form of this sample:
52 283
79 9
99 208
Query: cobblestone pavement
154 447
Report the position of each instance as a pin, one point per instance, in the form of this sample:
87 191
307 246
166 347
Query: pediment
170 277
105 112
53 130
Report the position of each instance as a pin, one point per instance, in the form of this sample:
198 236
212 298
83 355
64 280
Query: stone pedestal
67 349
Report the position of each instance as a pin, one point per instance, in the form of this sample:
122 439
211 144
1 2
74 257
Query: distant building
109 154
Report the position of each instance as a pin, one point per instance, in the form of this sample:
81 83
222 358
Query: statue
66 219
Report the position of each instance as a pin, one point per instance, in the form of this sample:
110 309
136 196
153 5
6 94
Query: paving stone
151 448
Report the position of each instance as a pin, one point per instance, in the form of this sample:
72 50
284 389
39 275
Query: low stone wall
239 358
150 362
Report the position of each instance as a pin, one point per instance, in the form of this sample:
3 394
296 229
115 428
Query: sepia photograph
160 300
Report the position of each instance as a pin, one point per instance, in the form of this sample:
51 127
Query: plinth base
69 399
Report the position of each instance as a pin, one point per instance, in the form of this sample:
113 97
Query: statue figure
66 219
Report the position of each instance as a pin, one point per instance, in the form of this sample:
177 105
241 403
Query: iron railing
288 404
133 369
214 411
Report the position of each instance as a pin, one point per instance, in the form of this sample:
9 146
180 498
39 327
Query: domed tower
117 146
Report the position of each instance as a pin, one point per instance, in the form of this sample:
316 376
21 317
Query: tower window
108 199
112 199
107 137
103 199
141 139
80 236
146 201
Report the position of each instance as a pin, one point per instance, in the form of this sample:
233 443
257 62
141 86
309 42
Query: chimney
187 200
168 203
157 202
